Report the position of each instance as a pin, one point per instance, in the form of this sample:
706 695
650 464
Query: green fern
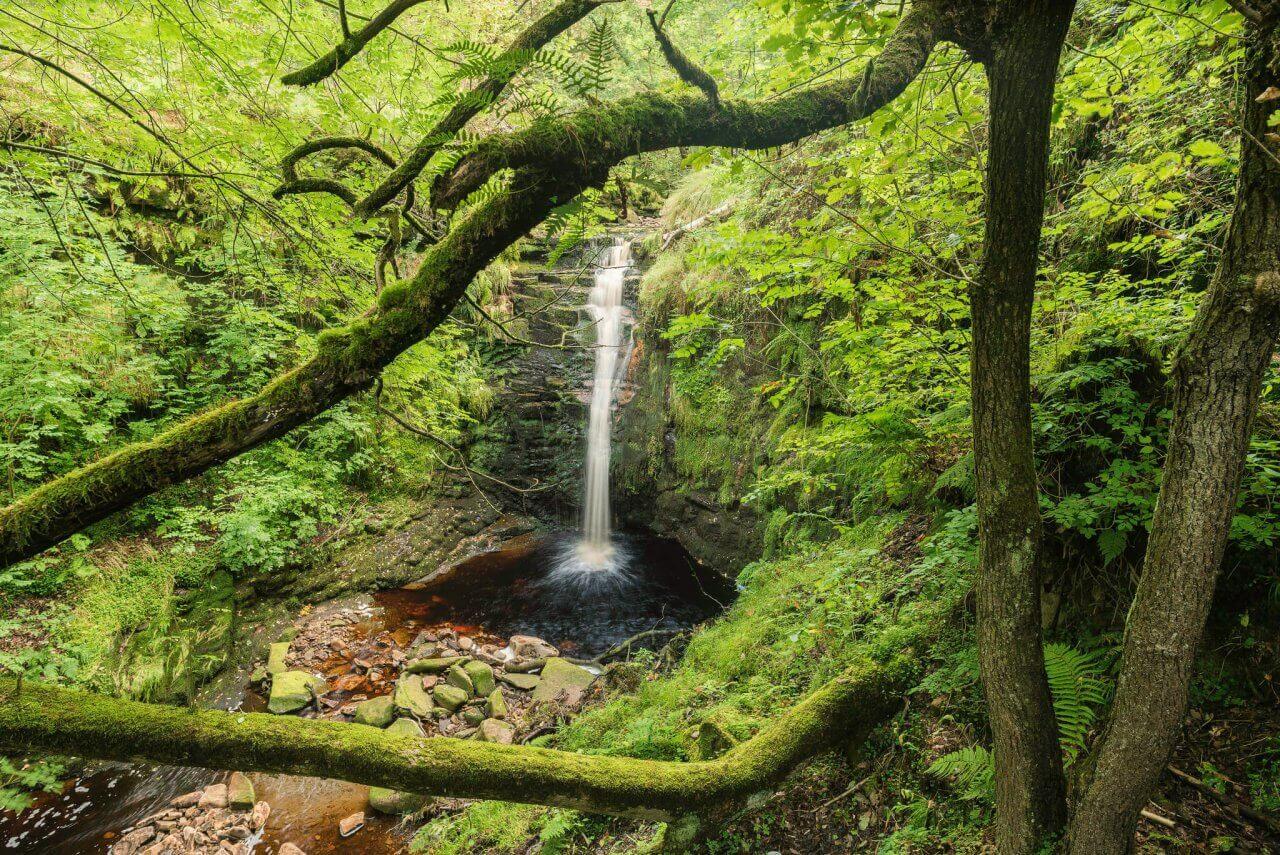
1079 690
972 770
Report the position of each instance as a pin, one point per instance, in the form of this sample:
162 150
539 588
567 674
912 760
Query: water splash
596 552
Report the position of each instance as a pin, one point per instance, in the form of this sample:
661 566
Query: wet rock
290 849
406 727
525 666
412 697
434 665
563 682
236 832
258 676
458 676
466 644
240 795
276 656
376 712
395 802
214 796
529 647
351 824
293 690
496 705
481 678
493 730
188 800
258 818
133 841
523 682
450 697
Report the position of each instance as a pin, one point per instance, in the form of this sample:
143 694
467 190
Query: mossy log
565 157
40 718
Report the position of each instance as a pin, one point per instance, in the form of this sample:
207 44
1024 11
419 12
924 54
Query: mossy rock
406 727
395 802
376 712
561 677
481 675
411 697
496 705
473 716
458 676
293 690
523 682
493 730
433 666
276 656
240 794
450 698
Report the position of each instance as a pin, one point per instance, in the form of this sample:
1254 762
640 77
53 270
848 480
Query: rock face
562 682
411 697
376 712
293 690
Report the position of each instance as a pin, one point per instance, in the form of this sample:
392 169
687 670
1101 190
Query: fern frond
971 769
1075 680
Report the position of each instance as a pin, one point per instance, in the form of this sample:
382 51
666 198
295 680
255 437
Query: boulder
450 698
293 690
214 796
493 730
481 678
458 676
562 681
406 727
523 682
529 647
395 802
411 697
433 666
376 712
240 795
188 800
496 705
276 656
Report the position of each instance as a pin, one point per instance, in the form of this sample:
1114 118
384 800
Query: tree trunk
1030 787
1217 378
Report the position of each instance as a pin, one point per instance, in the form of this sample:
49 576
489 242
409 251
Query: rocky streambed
494 648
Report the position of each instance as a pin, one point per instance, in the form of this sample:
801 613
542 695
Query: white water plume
596 551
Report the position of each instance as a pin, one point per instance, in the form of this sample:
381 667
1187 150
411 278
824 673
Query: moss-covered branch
351 45
38 718
685 68
563 16
652 122
562 159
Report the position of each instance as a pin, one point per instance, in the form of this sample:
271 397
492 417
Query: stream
488 598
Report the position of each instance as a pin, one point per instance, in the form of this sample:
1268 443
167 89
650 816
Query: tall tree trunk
1217 378
1030 788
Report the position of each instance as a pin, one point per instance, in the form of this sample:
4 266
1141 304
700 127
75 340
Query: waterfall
596 550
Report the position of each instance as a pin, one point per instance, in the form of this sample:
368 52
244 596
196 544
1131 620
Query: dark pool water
514 590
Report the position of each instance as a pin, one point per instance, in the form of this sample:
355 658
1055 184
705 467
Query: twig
1158 819
852 789
1237 806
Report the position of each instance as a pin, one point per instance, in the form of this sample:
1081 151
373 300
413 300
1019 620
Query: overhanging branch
555 161
351 45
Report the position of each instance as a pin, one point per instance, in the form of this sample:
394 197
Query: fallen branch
697 223
1235 805
65 721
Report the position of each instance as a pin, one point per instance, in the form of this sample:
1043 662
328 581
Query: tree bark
1030 788
1217 378
348 359
36 717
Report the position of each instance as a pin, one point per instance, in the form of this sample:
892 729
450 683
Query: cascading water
596 552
